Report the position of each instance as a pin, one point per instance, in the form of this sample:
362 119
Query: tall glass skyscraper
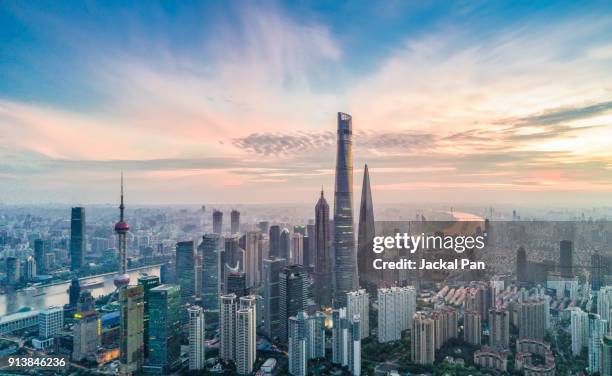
210 253
165 335
77 238
185 270
344 234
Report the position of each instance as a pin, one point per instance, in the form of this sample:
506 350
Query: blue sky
447 97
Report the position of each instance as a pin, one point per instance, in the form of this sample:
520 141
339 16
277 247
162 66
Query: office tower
310 245
185 270
167 273
566 258
251 252
298 352
209 252
422 339
316 336
604 303
297 249
354 346
445 325
13 270
606 356
340 337
600 270
368 276
293 289
235 222
245 339
499 328
227 334
532 319
41 248
396 307
74 291
271 299
579 327
165 335
131 348
217 222
235 282
234 254
50 321
344 235
358 303
147 282
85 329
299 229
472 327
521 265
323 258
30 268
597 331
121 229
197 348
274 241
77 238
285 245
264 226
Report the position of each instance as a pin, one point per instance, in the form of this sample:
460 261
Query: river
57 295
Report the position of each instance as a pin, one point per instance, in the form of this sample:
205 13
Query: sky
236 102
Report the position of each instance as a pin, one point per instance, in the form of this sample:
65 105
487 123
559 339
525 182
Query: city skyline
451 103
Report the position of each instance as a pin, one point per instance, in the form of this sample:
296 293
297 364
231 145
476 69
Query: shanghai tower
344 234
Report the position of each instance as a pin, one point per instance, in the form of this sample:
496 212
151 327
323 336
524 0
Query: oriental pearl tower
121 228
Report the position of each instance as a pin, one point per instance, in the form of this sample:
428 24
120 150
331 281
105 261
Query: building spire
121 207
321 190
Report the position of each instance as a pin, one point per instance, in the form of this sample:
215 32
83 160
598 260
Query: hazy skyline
236 102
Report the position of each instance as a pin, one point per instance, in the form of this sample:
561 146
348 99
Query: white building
298 357
396 306
50 322
227 335
604 305
597 331
580 330
316 336
245 339
197 350
358 303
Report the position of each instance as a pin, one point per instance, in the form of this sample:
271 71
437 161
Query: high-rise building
197 348
344 234
579 327
209 252
285 245
566 258
597 331
606 356
235 282
185 270
264 226
293 289
316 335
422 339
50 321
532 319
601 266
74 291
297 343
323 258
147 282
368 276
235 222
358 303
77 238
472 328
521 265
245 337
85 333
271 299
499 328
251 253
274 241
217 222
340 337
445 323
309 245
41 248
604 304
297 249
121 229
165 335
131 349
30 268
13 270
354 346
396 307
227 335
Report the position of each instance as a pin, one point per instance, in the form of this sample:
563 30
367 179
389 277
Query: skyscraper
316 335
422 339
606 356
77 238
285 245
358 303
323 258
131 301
604 304
251 253
579 326
185 270
147 282
499 328
235 222
532 319
121 229
298 350
274 241
521 265
445 323
165 335
297 248
41 247
235 282
271 281
566 258
396 307
209 252
50 321
227 334
597 331
85 329
13 270
74 291
217 222
293 289
354 346
197 349
340 337
368 276
245 338
344 234
472 327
